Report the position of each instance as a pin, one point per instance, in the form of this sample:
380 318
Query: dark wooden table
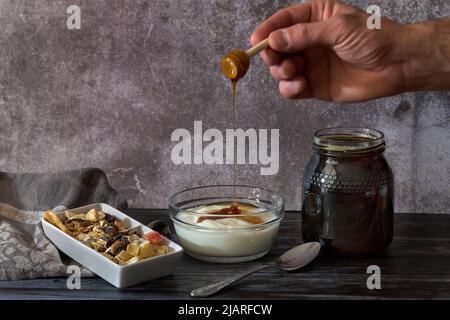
416 265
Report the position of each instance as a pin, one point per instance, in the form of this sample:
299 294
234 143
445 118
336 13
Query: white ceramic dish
118 275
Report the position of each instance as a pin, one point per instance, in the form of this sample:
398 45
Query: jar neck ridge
348 142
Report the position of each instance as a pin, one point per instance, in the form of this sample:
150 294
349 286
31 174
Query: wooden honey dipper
235 64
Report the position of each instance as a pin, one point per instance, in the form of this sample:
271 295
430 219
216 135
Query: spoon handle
218 286
258 48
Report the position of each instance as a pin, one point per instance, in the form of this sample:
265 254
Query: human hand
323 49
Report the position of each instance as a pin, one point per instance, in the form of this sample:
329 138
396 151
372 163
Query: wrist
423 50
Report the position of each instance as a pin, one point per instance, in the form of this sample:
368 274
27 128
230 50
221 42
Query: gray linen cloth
25 251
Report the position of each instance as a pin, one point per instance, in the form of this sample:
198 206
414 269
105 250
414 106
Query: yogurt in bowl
221 224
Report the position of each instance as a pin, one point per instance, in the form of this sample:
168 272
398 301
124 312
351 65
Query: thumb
302 36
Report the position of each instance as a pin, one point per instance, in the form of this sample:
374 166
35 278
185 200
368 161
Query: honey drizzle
233 66
234 95
233 211
246 218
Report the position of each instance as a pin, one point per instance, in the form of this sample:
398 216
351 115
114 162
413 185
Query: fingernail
292 87
251 39
283 73
281 38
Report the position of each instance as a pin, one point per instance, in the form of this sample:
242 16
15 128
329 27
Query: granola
109 236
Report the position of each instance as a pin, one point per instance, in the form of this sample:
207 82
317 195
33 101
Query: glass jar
348 192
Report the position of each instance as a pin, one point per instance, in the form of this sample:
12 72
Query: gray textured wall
109 95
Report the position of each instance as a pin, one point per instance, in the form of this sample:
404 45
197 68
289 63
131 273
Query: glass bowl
225 238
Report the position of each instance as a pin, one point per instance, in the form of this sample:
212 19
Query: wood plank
416 265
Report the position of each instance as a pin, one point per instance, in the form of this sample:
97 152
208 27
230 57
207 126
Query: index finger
282 19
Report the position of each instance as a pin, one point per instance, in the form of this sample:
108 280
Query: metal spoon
292 259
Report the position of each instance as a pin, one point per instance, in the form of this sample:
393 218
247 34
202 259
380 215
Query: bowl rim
278 207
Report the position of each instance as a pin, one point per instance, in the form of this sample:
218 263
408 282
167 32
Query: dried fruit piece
146 251
116 247
109 218
153 236
133 250
110 230
120 226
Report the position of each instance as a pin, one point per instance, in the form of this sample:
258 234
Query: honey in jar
348 192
